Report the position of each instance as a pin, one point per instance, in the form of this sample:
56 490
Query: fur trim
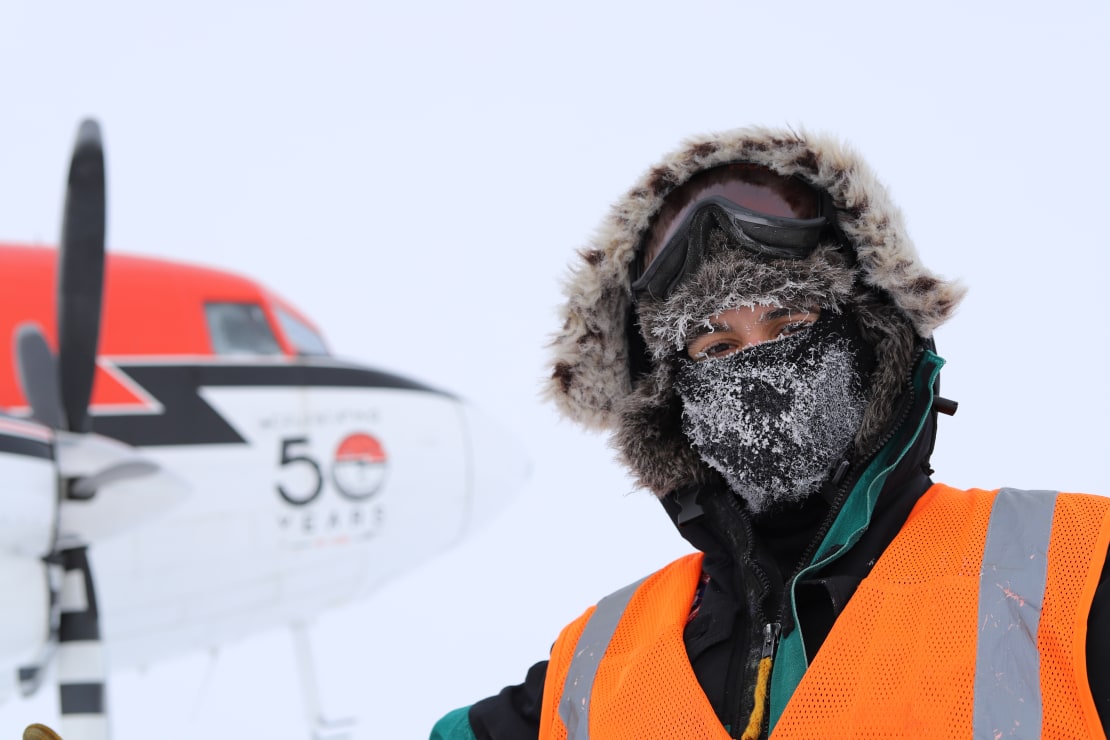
896 299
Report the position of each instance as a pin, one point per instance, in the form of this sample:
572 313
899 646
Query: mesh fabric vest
921 650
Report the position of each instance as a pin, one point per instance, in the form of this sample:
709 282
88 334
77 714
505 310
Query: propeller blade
113 489
81 275
83 489
82 669
38 375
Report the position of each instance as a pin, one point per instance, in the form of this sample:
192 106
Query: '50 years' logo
357 469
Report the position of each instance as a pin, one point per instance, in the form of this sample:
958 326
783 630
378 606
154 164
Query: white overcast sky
415 177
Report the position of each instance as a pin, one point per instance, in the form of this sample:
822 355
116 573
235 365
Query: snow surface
305 144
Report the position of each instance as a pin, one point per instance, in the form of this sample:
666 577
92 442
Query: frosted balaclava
776 419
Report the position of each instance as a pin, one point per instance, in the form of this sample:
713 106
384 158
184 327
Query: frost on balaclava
776 419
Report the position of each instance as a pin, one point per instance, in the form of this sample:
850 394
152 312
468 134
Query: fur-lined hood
898 302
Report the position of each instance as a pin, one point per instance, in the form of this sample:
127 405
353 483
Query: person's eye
710 351
795 327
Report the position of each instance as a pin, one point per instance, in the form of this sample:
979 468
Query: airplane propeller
103 485
38 375
81 275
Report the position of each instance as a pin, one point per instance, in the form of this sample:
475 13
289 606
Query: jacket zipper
739 658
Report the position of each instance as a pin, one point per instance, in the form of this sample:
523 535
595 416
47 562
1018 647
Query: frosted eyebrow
710 327
782 313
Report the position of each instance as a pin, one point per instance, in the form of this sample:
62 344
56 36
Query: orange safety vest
973 623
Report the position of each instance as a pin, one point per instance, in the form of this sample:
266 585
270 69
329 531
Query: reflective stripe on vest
574 708
628 681
1011 592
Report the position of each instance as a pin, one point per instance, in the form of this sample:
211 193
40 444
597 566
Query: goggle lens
775 212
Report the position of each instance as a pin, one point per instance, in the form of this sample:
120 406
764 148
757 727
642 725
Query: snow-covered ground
415 176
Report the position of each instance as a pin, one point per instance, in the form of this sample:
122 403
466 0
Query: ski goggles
756 209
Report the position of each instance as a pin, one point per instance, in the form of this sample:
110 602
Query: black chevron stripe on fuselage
17 444
187 419
13 441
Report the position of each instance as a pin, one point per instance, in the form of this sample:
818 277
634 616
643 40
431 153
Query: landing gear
321 727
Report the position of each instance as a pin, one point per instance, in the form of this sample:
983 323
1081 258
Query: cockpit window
302 336
240 329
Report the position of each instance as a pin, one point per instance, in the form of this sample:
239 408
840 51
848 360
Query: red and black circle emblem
360 466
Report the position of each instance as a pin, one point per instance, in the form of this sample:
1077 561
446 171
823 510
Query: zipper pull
771 633
754 730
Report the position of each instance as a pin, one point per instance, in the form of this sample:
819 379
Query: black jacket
748 563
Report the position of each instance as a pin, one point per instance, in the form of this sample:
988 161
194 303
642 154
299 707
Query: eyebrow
781 313
708 327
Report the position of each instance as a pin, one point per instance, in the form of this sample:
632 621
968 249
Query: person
754 327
